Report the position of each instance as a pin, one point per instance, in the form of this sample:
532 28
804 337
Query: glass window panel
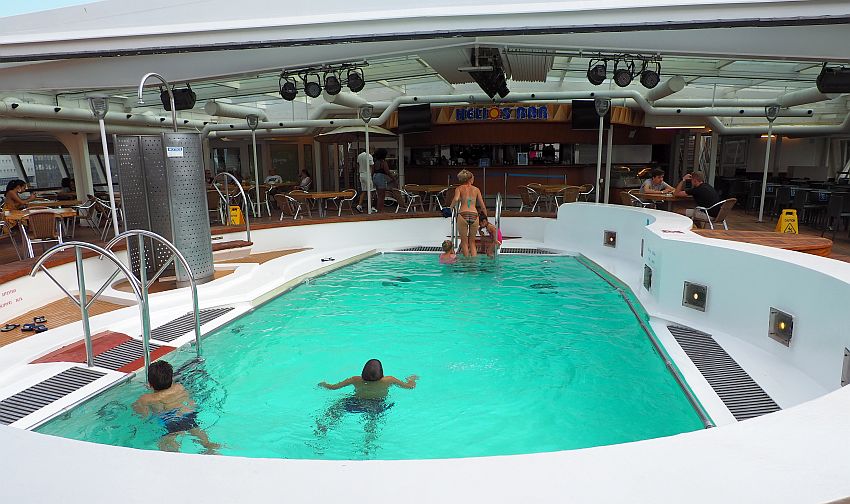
8 170
43 170
285 160
97 176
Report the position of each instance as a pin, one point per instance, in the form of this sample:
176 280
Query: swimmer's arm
336 386
409 384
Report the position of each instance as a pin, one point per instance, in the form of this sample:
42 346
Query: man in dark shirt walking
704 195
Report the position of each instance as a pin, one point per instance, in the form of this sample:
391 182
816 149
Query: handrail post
143 306
227 200
84 309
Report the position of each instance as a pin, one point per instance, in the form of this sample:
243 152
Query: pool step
170 331
46 392
503 250
738 391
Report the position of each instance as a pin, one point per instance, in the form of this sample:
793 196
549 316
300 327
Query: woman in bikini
469 203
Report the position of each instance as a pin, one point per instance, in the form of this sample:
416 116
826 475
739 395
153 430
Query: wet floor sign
236 218
787 222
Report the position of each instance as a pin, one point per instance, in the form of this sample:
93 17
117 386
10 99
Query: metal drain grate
41 394
420 249
117 357
526 251
743 396
185 324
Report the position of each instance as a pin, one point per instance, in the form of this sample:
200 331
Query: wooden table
53 203
801 243
667 199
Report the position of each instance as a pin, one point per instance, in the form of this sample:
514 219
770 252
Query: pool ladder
498 219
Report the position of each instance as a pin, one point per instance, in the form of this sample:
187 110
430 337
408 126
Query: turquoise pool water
518 355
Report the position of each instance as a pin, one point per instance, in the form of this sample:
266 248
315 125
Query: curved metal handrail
83 303
144 284
227 201
498 217
170 95
455 237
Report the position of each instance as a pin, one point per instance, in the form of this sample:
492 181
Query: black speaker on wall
184 99
834 80
584 116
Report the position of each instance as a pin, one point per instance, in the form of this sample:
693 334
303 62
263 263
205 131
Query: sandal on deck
40 319
40 328
9 327
28 327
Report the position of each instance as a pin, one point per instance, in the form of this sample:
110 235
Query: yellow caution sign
236 217
787 222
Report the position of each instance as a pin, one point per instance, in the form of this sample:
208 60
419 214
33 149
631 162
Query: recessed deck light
694 296
647 277
781 326
609 238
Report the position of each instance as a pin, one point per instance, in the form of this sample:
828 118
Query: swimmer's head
447 246
463 176
160 375
482 218
372 371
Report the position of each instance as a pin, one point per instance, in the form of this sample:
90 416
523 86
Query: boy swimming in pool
448 256
491 237
370 398
171 405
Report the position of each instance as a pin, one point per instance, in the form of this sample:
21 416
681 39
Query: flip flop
40 328
9 327
28 327
40 319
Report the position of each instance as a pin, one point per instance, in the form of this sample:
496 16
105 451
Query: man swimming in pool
469 202
171 405
370 398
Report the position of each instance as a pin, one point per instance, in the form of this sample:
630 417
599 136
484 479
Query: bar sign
174 152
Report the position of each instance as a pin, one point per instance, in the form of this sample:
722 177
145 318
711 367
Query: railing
455 237
226 200
84 302
143 283
498 218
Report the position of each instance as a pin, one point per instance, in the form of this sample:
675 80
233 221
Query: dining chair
6 232
42 226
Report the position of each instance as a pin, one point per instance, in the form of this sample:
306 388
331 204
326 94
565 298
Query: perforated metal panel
190 221
166 195
132 176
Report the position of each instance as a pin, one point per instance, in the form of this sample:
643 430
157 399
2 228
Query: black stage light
184 99
332 84
596 73
623 76
312 88
288 88
834 80
650 78
355 81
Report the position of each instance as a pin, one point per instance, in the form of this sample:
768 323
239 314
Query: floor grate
117 357
41 394
743 396
526 251
186 324
420 249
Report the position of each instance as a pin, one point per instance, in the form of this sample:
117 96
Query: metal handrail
455 237
227 201
498 218
144 284
85 303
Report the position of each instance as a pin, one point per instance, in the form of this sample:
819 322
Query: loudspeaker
834 80
184 99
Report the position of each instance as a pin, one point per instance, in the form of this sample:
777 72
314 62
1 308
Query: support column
401 159
78 148
776 156
712 162
317 165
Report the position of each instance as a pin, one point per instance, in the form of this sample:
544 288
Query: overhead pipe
345 99
11 106
277 128
57 125
672 85
220 109
786 130
794 98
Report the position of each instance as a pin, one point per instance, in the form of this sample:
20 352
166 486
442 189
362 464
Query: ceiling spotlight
623 76
332 84
288 88
312 88
650 78
597 72
355 80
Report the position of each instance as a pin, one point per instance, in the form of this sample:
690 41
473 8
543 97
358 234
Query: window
43 170
97 173
8 170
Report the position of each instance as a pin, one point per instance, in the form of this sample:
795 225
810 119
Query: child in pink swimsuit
493 237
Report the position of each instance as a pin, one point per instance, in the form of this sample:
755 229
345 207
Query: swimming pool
519 355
